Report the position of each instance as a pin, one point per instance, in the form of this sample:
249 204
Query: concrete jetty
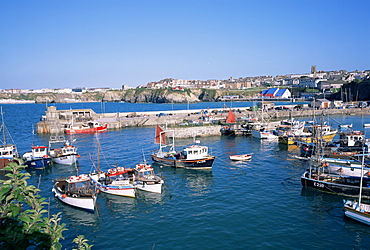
55 121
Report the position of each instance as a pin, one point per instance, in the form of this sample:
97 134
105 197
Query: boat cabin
195 152
350 139
143 171
79 185
7 151
37 152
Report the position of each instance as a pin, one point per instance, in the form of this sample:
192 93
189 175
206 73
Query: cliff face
354 92
159 96
134 95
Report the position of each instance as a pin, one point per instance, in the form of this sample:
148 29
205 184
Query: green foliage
81 243
310 90
211 93
22 220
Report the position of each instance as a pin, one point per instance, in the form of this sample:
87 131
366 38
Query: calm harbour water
257 204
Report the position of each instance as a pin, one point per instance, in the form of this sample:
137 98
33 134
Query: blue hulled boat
38 158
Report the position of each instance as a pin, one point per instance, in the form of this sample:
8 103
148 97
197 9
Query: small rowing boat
243 157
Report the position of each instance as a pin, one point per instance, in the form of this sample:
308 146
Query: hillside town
321 80
314 79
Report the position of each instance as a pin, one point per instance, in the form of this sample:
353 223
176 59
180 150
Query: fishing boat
76 191
348 146
116 181
291 128
89 127
358 210
345 125
319 177
146 180
65 155
325 132
262 133
37 158
193 156
244 157
228 130
8 149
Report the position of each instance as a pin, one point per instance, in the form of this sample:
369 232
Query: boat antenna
33 136
98 143
143 156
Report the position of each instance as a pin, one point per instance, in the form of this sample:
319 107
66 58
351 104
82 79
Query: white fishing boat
263 134
356 209
346 125
8 149
243 157
66 155
146 180
115 181
76 191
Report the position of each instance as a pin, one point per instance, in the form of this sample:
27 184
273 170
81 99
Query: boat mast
362 174
3 125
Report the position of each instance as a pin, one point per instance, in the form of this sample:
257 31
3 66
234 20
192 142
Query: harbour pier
55 121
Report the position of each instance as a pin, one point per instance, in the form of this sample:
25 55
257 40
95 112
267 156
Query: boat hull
86 203
65 160
291 140
357 212
336 188
38 163
181 163
100 129
263 135
240 157
149 186
357 215
227 131
5 162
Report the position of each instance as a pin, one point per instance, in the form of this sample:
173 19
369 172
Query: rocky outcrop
160 96
133 95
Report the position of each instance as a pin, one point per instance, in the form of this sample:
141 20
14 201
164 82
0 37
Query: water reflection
149 197
198 181
39 172
76 216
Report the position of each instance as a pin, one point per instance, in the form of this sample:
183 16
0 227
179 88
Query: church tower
313 71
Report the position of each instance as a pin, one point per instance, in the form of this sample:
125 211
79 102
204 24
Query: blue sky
107 43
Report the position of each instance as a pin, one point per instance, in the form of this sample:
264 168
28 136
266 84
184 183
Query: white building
309 82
